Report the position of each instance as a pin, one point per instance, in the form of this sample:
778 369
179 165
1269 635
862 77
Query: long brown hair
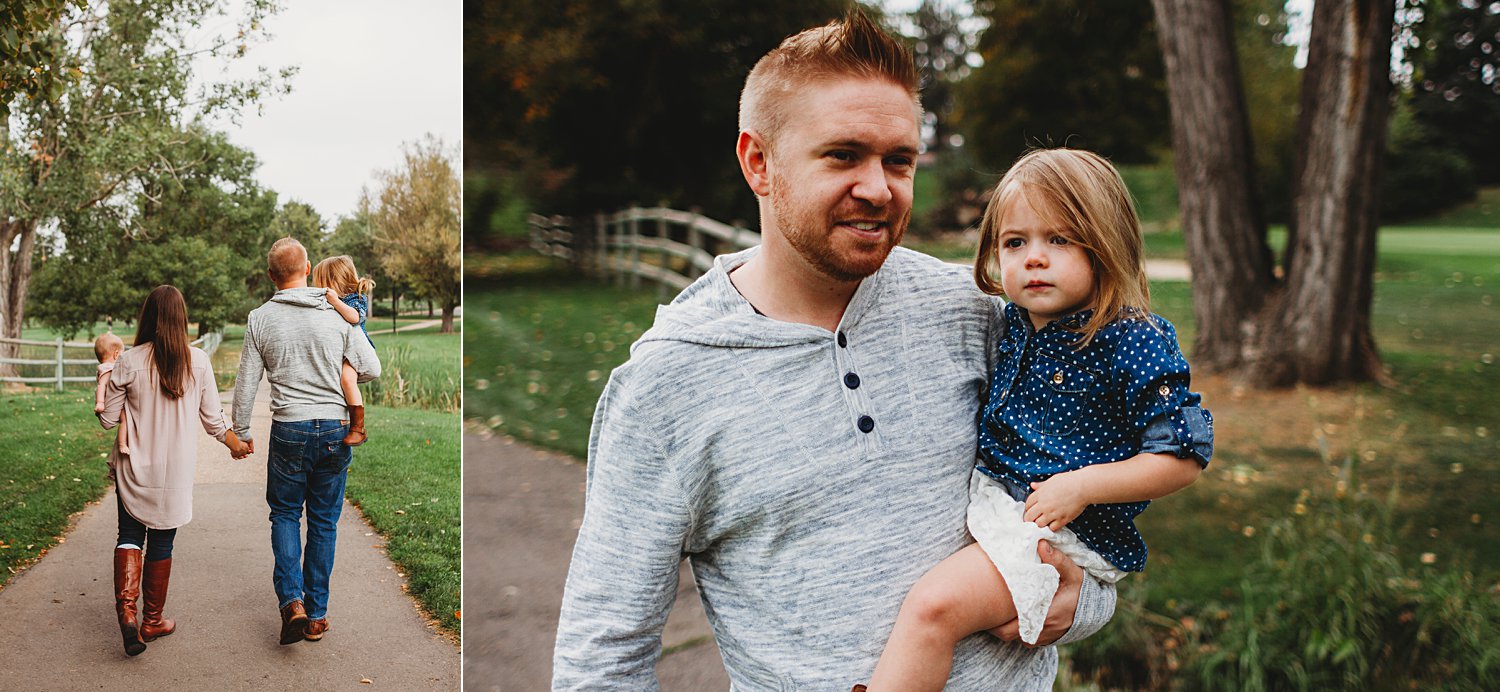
1081 192
163 324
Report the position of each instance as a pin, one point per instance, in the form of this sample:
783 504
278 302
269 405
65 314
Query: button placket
861 414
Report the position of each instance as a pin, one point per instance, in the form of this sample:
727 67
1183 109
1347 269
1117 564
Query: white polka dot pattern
1055 408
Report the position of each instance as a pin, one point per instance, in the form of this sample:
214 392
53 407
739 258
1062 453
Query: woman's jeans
156 542
308 465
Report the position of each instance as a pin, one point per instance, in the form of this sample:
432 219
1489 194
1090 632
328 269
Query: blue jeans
308 465
156 543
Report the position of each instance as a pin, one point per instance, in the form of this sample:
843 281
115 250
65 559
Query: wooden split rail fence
666 246
58 362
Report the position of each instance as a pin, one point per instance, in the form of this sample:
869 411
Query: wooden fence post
619 240
59 364
692 240
664 257
635 248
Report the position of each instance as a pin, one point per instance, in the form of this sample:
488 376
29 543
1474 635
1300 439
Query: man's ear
754 161
307 268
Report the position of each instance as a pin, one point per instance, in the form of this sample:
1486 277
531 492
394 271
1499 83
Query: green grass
539 348
419 369
406 482
52 467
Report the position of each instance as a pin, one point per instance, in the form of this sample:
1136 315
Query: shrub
1329 604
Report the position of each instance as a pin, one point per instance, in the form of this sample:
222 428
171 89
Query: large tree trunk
15 278
1222 225
1321 331
448 308
1313 326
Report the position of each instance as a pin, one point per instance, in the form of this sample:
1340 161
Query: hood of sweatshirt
711 312
305 297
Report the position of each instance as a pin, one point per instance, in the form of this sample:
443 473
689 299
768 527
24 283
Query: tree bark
1313 326
448 308
1222 225
1321 333
15 278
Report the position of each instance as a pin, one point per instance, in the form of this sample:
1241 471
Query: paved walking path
522 508
60 631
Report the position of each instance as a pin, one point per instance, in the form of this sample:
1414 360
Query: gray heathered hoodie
300 343
809 481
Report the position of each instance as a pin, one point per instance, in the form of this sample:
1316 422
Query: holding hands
1056 501
237 448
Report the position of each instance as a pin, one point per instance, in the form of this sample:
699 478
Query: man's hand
1064 602
1056 501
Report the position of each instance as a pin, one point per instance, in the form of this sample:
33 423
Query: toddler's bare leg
962 595
349 381
123 441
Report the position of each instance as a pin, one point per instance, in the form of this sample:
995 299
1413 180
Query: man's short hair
286 259
854 46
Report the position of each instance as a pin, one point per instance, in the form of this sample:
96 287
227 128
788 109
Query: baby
107 348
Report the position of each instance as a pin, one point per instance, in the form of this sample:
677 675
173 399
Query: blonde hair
1080 192
338 273
854 46
286 258
106 344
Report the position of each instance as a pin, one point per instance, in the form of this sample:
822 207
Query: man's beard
812 236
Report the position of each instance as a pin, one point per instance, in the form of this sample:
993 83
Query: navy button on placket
851 380
866 424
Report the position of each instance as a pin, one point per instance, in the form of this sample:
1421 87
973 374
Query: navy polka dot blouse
1053 408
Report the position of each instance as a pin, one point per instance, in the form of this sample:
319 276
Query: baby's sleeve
1158 398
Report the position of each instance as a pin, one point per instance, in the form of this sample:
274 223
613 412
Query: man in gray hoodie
800 422
300 343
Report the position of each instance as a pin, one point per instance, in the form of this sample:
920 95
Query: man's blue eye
845 156
902 161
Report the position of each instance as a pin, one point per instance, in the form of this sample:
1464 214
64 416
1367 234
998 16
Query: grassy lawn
406 482
539 348
52 467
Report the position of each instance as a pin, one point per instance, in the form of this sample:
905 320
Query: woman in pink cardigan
163 385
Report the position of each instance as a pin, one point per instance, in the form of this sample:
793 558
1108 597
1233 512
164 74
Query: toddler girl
346 293
1088 418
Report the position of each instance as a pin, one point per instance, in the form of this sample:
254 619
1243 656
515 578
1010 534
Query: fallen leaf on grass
366 681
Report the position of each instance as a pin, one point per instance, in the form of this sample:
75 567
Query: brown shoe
127 589
157 574
356 436
293 620
315 629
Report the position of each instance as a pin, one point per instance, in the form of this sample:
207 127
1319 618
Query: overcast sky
373 74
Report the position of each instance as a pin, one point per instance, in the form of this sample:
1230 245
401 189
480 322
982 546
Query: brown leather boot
356 436
157 574
127 589
293 621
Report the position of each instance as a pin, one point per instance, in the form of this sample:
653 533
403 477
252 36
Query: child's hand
1056 501
331 296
